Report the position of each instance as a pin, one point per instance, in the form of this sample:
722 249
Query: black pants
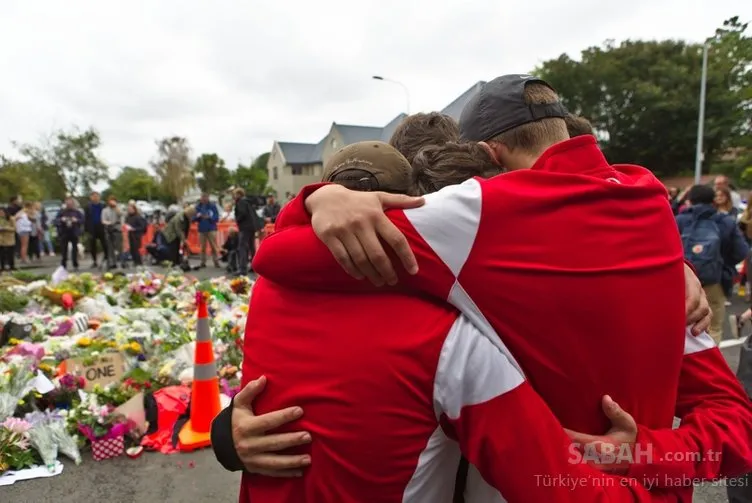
246 249
173 252
72 240
7 257
134 247
34 247
97 234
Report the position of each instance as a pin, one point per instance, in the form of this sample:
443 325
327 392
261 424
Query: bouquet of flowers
48 436
15 447
98 422
66 393
15 382
240 285
144 286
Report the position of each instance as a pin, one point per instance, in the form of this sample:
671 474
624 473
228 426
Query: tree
253 178
17 179
212 174
642 96
69 157
173 166
135 183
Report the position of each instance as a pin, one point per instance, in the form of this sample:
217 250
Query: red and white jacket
394 388
598 247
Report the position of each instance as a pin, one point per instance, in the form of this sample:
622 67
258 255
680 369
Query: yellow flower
124 347
111 344
45 368
108 275
135 347
13 341
84 342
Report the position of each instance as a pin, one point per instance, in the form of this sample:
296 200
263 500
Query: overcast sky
233 76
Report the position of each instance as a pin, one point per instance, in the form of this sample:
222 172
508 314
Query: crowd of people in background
105 227
714 222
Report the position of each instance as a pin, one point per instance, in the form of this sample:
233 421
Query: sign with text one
106 369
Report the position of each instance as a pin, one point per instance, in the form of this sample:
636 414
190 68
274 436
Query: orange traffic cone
205 405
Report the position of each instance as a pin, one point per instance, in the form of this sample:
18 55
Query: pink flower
16 425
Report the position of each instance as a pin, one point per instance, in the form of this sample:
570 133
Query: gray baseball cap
500 106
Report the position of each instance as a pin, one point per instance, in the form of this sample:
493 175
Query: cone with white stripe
205 404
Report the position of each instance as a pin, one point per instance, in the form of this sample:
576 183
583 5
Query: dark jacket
245 215
45 219
206 224
69 222
734 247
137 223
12 209
271 211
93 216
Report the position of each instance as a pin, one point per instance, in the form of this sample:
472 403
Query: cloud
234 76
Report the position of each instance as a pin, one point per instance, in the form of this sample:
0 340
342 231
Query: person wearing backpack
712 242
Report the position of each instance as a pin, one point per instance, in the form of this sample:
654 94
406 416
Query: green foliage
135 183
17 178
28 276
212 174
253 178
12 302
69 157
642 96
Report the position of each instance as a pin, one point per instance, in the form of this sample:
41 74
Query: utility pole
699 155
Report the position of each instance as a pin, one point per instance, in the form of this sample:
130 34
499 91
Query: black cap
500 106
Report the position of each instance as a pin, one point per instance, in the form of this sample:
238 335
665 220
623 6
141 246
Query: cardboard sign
134 410
107 369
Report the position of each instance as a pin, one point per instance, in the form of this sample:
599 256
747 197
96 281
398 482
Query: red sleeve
714 439
510 435
294 212
440 233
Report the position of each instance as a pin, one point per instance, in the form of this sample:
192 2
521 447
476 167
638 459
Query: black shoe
94 265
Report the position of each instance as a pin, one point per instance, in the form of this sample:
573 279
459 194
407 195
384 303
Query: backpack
702 247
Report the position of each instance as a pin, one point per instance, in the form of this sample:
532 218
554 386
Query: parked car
146 208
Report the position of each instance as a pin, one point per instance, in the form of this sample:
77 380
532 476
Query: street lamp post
701 119
404 87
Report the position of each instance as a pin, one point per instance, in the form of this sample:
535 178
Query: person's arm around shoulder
714 439
506 430
240 441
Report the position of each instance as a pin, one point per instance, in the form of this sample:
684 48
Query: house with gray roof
292 166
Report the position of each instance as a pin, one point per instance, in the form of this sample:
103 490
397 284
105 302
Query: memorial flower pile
71 374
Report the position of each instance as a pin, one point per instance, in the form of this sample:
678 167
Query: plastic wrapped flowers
15 382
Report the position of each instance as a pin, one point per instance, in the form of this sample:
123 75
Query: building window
275 173
297 170
334 143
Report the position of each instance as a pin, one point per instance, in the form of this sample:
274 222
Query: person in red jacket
608 266
389 406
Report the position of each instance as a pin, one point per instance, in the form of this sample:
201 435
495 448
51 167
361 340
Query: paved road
194 477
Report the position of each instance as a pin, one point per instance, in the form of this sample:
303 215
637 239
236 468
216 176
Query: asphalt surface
195 477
